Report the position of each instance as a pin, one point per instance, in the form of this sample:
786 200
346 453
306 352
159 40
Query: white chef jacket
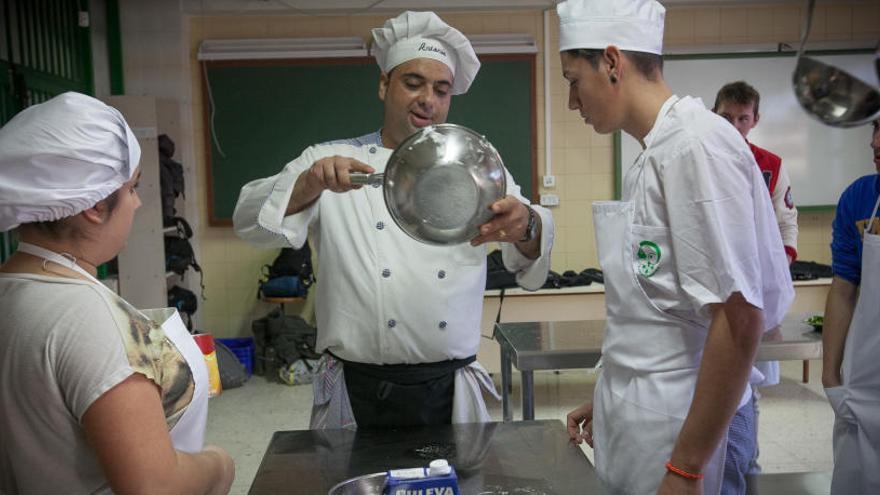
383 297
702 187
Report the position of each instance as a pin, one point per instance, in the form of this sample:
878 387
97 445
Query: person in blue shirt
852 217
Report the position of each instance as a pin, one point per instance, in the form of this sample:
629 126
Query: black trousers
385 396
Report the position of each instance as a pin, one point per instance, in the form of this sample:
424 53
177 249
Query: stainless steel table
527 457
560 345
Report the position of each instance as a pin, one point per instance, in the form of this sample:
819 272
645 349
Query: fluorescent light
281 48
286 48
503 43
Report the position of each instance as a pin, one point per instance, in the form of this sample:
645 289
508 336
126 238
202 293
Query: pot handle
359 179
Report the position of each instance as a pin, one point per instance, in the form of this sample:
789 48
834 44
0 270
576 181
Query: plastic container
243 348
205 341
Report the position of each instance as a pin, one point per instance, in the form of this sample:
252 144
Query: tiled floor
794 435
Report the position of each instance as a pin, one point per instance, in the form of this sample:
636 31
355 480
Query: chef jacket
383 297
703 191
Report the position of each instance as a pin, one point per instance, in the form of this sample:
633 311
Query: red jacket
779 186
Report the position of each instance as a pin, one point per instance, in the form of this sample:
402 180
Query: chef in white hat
401 318
694 266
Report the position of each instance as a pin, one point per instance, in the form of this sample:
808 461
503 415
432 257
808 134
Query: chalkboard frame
528 190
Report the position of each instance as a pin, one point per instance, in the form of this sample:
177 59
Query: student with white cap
95 395
695 270
398 320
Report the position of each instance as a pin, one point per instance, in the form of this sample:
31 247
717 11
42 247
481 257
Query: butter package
437 479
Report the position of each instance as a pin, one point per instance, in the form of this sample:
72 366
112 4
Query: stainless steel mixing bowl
368 484
439 183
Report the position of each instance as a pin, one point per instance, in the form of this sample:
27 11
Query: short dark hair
739 93
647 64
59 229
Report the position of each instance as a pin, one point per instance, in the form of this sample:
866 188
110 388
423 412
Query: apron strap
873 215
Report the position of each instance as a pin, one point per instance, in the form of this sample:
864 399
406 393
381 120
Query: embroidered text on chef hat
61 157
633 25
424 35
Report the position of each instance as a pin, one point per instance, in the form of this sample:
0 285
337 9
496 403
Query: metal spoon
831 95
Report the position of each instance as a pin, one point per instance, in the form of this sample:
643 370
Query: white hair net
61 157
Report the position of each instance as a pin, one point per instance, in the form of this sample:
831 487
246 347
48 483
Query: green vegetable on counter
815 321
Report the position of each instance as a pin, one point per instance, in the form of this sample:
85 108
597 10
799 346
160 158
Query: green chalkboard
260 115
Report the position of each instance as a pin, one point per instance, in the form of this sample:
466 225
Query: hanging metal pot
439 183
834 96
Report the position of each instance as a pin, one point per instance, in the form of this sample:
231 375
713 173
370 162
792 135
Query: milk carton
437 479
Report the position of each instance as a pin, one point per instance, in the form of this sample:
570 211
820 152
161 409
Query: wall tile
679 26
558 261
576 186
577 161
787 22
838 21
601 160
734 25
866 19
760 25
707 25
576 135
496 24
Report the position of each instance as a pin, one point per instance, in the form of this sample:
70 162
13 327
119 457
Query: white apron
188 435
856 402
651 361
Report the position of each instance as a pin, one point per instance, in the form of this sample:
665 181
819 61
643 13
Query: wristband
684 474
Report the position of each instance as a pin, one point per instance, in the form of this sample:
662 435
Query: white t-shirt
63 343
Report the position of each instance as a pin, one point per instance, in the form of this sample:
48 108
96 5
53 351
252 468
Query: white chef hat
424 35
633 25
61 157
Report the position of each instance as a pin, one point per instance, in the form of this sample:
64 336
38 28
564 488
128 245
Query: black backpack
281 340
171 183
497 276
292 262
179 254
185 302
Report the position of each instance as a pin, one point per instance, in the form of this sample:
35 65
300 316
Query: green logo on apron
649 258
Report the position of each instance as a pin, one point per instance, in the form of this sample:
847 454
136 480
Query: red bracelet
684 474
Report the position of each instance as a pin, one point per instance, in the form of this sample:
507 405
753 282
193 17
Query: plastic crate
243 348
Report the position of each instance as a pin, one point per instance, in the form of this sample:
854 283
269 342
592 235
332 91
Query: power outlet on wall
549 181
549 200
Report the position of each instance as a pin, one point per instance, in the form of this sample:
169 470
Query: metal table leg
528 395
506 371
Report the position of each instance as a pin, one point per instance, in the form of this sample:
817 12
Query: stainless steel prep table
533 457
560 345
489 458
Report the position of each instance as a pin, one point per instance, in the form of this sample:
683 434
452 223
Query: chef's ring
502 234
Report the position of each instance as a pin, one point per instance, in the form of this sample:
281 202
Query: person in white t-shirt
95 396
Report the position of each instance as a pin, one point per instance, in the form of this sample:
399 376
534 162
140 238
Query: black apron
391 395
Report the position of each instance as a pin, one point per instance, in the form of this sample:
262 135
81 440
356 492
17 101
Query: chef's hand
580 424
509 225
332 173
673 484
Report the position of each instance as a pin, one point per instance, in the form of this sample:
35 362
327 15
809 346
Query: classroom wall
582 160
